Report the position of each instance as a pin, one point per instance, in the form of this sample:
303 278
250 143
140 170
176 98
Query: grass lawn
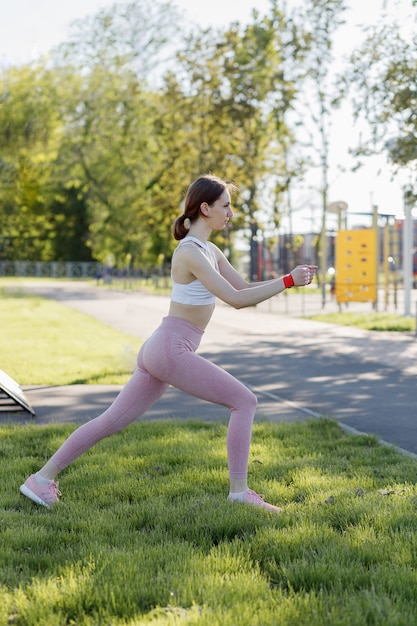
144 534
46 343
369 321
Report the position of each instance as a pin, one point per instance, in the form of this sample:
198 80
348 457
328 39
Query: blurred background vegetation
100 139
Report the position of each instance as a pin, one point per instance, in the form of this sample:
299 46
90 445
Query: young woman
200 274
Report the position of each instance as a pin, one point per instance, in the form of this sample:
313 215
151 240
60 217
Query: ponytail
181 227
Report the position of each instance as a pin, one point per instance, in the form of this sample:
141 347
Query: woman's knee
254 400
249 401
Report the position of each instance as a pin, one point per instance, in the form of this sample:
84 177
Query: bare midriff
197 315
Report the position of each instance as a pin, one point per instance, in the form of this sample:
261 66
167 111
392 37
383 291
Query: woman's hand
303 274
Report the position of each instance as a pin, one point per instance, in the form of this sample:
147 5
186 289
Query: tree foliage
236 93
103 146
139 34
318 84
79 141
34 201
384 71
99 142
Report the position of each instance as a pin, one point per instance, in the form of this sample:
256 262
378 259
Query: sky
29 29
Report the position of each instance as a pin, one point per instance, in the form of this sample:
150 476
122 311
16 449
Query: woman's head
205 189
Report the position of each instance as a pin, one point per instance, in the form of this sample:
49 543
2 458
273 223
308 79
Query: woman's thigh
172 360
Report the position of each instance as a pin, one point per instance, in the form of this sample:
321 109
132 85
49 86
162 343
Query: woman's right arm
231 287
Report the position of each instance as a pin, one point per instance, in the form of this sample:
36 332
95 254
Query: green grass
144 534
369 321
46 343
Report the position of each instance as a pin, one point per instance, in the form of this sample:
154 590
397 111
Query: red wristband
288 281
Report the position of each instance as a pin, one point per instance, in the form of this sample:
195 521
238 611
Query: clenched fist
303 274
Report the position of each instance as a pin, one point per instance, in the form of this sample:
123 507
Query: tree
318 22
111 144
29 142
98 147
140 35
107 147
230 94
385 75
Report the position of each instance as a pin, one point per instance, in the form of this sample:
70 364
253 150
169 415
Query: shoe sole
30 494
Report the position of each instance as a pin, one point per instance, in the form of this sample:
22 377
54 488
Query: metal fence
304 303
80 269
51 269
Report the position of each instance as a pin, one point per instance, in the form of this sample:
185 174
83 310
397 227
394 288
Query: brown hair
207 188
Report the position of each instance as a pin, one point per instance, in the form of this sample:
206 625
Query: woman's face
220 211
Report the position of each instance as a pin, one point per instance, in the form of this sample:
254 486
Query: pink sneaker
46 495
253 498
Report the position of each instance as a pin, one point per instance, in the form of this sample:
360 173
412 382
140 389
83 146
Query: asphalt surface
297 367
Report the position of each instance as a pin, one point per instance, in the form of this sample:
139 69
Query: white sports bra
194 293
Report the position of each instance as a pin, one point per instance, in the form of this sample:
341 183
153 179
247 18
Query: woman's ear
204 209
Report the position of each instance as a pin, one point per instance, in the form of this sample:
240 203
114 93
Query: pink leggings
168 358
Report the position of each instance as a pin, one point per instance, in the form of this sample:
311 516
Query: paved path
298 368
